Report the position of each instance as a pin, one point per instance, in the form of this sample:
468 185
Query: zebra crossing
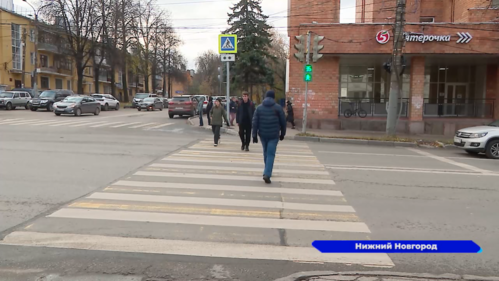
207 201
79 123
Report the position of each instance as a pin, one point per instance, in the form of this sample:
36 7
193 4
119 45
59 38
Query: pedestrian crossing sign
227 44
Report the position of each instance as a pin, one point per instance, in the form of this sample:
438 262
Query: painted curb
302 276
356 141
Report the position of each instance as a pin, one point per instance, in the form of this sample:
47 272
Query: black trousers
209 118
245 133
216 132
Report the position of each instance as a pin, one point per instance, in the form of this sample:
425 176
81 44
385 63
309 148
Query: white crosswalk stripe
75 122
211 202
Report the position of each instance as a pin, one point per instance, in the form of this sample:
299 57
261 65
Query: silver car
480 139
12 99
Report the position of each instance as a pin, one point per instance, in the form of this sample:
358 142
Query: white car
479 139
107 101
205 103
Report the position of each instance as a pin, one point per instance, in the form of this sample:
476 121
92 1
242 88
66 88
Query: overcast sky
198 22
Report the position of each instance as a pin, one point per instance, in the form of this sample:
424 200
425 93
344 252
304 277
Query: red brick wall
462 7
309 11
492 86
439 9
323 90
417 88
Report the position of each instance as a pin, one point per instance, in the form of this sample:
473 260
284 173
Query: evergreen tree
254 41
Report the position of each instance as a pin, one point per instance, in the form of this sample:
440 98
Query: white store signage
464 37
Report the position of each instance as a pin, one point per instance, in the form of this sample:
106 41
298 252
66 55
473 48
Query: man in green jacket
218 115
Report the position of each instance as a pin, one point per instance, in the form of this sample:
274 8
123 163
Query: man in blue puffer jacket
269 122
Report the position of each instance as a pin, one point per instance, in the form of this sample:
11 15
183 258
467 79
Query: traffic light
301 46
308 73
317 48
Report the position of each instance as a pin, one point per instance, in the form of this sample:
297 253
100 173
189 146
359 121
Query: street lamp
34 76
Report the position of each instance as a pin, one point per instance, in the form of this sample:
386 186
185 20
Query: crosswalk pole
228 90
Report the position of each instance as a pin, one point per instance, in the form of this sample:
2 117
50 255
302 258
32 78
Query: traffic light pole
305 106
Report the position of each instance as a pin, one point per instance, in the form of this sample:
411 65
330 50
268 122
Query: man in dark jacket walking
269 122
218 114
243 119
208 109
291 114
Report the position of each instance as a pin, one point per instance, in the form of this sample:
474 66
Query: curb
302 276
356 141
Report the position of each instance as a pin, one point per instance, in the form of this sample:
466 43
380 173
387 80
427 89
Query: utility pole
33 77
305 106
396 67
23 44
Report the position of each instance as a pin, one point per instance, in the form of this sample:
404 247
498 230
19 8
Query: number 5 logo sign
383 37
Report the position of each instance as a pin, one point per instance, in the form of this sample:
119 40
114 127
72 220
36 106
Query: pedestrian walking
200 110
232 110
269 122
218 115
244 117
291 115
208 109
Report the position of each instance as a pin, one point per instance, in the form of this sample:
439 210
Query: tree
81 22
206 77
254 41
280 51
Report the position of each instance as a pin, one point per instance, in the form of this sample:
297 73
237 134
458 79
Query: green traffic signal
308 73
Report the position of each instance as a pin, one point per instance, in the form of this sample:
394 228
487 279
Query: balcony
48 47
55 71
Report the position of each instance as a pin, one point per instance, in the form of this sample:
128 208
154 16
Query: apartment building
451 74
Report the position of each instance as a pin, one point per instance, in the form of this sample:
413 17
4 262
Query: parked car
164 101
182 105
222 98
479 139
140 96
107 101
48 98
205 103
151 104
77 105
29 90
12 99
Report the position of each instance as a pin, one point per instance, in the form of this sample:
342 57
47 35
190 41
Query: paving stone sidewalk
380 276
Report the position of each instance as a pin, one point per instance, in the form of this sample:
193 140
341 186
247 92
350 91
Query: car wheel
117 107
106 107
58 114
8 106
50 107
34 108
472 152
97 110
492 150
171 116
78 112
26 106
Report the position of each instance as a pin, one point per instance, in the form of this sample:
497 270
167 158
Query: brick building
449 81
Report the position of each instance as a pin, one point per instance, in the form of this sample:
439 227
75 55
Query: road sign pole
228 91
304 125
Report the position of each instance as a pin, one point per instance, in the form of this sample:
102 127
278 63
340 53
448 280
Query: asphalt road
131 195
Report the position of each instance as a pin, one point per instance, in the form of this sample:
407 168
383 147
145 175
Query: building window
32 35
44 82
427 19
58 83
69 84
32 58
16 46
44 61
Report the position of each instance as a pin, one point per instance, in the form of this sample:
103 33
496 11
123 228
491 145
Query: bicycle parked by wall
349 112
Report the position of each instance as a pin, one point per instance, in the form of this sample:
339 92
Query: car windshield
98 96
149 100
494 124
6 95
47 94
73 99
141 96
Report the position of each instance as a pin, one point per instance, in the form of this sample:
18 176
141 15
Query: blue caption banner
397 246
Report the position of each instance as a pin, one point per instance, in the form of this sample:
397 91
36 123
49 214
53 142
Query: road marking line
451 162
6 120
105 124
123 125
412 171
371 154
231 177
87 123
252 151
395 168
143 125
22 122
229 188
202 152
221 202
245 159
210 141
72 122
236 161
190 248
210 220
44 123
161 126
242 169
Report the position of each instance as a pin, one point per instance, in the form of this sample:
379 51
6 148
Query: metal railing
373 107
474 108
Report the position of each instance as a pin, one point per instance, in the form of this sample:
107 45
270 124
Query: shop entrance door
455 99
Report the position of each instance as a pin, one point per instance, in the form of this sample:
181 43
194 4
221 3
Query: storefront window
439 77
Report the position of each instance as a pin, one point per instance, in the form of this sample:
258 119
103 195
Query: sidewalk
380 276
338 134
